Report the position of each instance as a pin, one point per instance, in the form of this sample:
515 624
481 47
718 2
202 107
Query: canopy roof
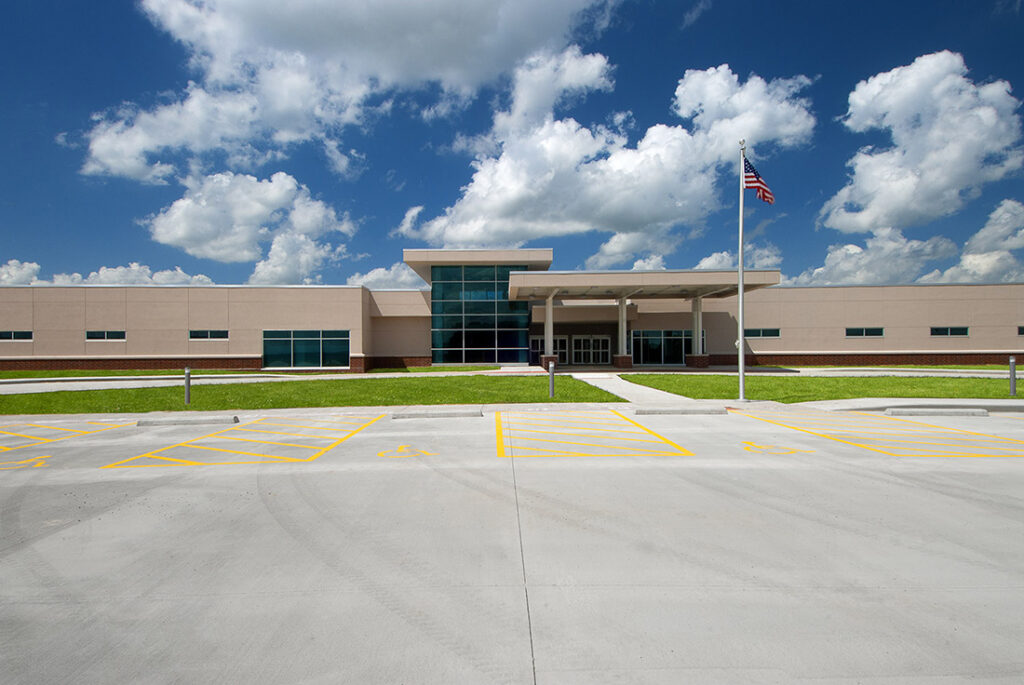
421 260
603 285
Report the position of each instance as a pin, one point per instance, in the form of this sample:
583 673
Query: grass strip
94 373
320 393
114 373
434 369
789 389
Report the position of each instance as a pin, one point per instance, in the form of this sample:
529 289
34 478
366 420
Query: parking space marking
318 436
16 436
578 434
889 435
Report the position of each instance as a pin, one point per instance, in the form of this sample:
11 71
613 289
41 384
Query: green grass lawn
434 369
93 373
808 389
325 393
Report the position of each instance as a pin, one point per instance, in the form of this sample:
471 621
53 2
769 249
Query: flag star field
309 142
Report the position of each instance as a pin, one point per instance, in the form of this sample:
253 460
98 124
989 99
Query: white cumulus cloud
229 217
398 275
272 74
16 272
537 176
988 255
886 258
133 274
950 136
767 256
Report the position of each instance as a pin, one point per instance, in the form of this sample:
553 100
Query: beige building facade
507 307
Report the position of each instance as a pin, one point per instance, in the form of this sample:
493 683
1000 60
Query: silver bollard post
551 378
1013 376
188 385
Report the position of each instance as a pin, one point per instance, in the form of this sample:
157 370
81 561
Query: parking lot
532 544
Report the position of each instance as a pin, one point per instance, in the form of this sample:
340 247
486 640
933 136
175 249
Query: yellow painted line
56 428
809 432
267 442
264 458
517 425
886 444
586 444
289 425
34 462
682 449
25 435
513 432
499 432
261 455
531 420
153 454
587 435
297 435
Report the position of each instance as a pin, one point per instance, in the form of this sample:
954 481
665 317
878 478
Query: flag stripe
752 179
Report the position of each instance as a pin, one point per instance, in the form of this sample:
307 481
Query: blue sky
255 141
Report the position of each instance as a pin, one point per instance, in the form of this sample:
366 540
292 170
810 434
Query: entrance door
591 350
560 343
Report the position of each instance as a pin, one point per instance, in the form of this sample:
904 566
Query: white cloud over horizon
988 255
271 75
539 176
886 258
399 275
949 136
16 272
228 217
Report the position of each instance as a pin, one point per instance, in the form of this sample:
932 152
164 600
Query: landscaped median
789 389
350 392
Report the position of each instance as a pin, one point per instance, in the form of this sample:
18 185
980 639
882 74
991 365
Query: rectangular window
1020 330
104 335
761 333
472 319
864 332
207 335
15 335
305 348
950 331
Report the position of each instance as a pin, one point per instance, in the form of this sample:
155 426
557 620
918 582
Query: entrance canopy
617 285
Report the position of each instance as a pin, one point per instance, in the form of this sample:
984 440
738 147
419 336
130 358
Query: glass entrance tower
472 320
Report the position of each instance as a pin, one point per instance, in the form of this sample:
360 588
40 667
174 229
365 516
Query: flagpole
739 275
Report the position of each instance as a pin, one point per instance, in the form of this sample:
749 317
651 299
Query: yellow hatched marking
885 441
517 425
248 454
585 444
587 435
513 432
267 442
297 435
57 428
291 425
25 435
155 455
40 440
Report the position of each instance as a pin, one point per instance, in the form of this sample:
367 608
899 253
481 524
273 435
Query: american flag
752 179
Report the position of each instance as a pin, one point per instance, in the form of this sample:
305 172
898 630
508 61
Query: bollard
1013 376
188 385
551 378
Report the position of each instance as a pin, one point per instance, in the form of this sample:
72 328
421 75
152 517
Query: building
507 307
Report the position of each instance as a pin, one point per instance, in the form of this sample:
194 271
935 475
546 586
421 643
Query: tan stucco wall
157 319
815 319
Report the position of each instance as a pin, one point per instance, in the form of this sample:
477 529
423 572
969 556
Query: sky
310 141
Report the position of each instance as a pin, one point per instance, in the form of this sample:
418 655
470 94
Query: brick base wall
864 359
177 364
